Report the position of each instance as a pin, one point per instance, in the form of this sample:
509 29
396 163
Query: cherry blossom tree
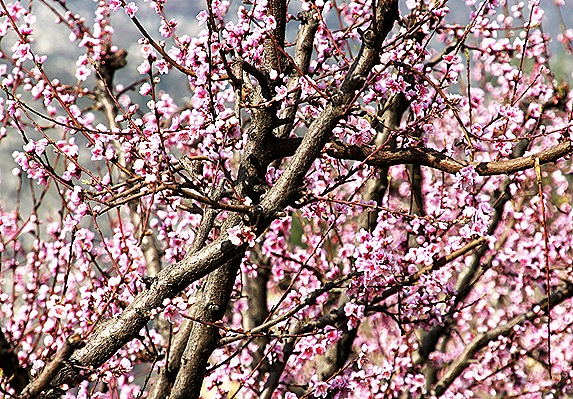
346 199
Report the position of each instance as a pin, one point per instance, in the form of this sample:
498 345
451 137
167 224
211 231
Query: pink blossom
82 73
38 147
21 52
145 89
68 147
131 9
162 66
355 313
466 178
320 389
238 235
114 4
451 59
171 314
396 84
358 240
281 91
144 67
148 52
202 17
167 27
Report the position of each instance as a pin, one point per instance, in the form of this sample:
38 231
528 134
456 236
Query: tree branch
104 342
301 59
59 363
172 279
107 102
319 131
437 160
166 377
212 303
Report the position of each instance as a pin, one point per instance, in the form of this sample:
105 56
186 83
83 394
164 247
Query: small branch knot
336 95
116 60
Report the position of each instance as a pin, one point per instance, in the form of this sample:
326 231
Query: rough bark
301 60
259 152
58 366
438 160
105 342
203 338
166 376
218 262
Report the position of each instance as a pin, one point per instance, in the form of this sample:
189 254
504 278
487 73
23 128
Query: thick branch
169 282
337 355
172 279
437 160
271 54
167 376
386 14
44 380
286 189
301 58
260 150
203 338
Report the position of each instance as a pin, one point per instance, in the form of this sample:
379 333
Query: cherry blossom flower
131 9
171 314
239 235
466 178
114 5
